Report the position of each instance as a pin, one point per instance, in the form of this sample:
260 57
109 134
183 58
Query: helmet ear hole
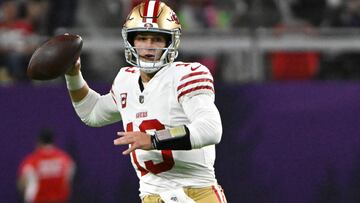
168 39
131 37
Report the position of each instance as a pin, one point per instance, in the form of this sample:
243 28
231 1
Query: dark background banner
282 142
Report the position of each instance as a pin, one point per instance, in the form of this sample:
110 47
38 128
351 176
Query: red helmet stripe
156 11
145 12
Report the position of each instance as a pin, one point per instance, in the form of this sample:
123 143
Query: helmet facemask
169 53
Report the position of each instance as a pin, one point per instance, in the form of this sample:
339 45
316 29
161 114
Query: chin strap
177 138
150 67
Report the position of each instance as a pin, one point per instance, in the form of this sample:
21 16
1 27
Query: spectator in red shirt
46 174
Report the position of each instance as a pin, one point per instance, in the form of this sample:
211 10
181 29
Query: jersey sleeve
193 79
97 110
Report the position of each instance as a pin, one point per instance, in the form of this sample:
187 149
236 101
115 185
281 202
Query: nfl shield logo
141 99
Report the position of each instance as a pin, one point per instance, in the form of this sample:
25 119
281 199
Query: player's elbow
91 124
89 121
215 127
205 132
216 132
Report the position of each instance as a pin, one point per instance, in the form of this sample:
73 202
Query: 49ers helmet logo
174 18
148 25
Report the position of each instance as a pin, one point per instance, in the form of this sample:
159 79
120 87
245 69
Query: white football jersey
157 107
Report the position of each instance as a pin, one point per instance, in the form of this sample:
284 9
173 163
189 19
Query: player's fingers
123 141
126 134
129 150
75 69
117 141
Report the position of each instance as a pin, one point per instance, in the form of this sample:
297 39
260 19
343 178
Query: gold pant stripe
213 194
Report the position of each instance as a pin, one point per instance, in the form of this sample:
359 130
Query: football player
170 121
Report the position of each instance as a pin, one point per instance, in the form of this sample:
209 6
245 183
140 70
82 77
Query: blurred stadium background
287 81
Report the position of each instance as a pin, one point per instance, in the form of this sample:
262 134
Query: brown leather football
54 57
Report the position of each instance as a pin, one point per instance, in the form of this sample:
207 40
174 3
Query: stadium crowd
24 24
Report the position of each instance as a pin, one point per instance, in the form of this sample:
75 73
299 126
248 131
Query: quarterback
170 121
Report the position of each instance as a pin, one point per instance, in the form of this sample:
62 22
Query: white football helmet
152 16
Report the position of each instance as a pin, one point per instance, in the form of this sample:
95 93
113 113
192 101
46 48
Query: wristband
177 138
75 82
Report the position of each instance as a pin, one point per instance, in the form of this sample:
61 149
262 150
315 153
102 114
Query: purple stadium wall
282 142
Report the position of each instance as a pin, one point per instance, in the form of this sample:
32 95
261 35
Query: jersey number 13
150 166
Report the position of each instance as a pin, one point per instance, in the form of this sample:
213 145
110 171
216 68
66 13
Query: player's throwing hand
137 140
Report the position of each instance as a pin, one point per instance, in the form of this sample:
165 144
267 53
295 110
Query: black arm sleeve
172 143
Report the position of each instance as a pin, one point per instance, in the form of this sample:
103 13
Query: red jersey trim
194 81
194 74
206 87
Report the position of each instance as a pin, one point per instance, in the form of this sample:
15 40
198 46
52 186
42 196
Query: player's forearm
78 89
96 110
206 130
92 108
78 95
205 127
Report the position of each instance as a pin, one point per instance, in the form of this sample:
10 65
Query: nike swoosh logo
193 69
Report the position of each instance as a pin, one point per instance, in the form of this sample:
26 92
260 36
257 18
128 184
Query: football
54 57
